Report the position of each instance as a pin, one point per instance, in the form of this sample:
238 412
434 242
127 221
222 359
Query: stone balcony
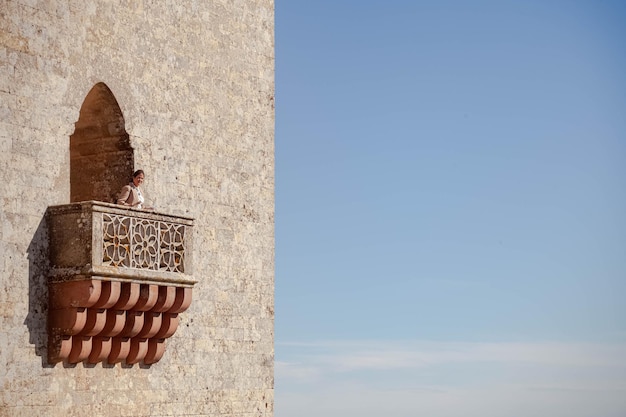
118 280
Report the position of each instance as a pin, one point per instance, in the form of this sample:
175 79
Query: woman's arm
123 197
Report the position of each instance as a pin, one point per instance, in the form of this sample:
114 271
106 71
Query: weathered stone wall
194 81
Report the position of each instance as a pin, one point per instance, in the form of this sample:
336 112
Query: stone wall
194 81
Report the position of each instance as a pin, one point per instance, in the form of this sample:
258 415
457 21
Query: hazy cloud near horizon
441 379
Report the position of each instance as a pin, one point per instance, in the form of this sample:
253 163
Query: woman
131 194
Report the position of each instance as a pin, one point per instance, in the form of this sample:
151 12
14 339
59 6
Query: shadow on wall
38 267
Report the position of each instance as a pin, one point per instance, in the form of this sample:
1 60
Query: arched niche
101 158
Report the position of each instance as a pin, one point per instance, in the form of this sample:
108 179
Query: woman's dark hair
139 171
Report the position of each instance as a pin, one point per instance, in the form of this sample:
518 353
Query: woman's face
138 180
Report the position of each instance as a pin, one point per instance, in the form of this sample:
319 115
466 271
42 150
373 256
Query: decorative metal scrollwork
143 244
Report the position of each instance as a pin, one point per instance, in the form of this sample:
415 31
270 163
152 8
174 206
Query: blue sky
450 199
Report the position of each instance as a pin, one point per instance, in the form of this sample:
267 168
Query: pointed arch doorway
101 158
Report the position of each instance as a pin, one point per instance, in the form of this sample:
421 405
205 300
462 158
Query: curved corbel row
112 350
96 320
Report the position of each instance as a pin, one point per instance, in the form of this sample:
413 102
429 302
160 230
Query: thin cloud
296 371
440 379
348 356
